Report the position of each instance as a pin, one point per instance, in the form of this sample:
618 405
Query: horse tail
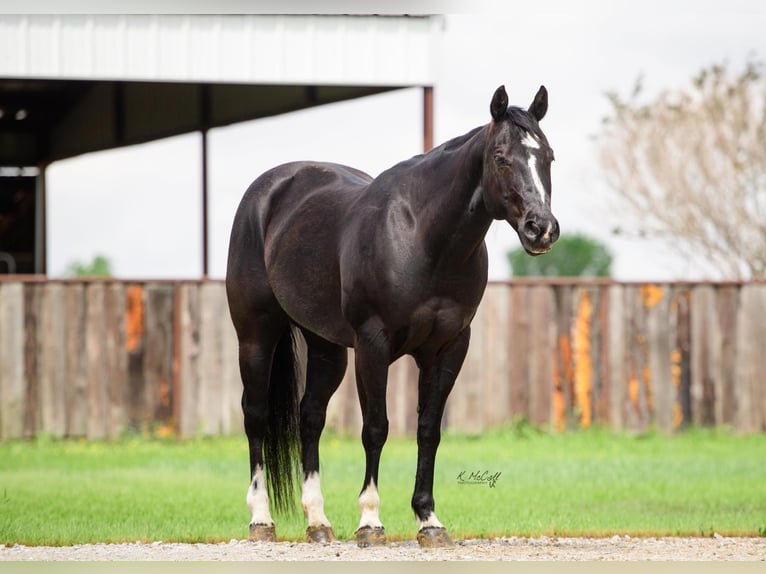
281 445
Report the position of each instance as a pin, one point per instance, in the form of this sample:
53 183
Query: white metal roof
252 49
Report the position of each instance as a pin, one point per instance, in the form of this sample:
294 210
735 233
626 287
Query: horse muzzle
538 233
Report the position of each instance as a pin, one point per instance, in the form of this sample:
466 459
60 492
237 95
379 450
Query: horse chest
430 326
419 304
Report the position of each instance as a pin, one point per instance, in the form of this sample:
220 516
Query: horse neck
456 221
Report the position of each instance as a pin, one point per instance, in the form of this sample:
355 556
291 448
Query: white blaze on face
531 143
369 506
313 501
532 163
258 499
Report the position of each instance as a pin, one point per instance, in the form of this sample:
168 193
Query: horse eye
500 161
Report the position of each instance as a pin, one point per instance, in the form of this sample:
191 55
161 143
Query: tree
689 168
100 266
572 256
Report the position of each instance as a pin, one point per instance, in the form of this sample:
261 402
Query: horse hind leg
325 369
265 358
255 371
267 367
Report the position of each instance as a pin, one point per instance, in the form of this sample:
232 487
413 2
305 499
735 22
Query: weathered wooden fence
96 358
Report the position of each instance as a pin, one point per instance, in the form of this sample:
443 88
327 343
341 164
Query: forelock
523 119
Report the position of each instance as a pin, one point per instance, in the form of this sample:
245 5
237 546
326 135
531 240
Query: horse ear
499 105
540 104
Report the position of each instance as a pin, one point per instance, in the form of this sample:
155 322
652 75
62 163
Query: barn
73 84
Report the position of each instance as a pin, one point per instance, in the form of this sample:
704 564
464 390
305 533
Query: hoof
433 537
263 533
368 536
320 534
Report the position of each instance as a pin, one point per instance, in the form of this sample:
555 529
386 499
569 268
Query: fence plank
727 308
53 360
495 358
210 360
638 403
660 332
682 415
220 386
601 340
31 363
158 355
563 366
703 356
95 333
541 338
77 366
582 357
12 389
189 368
751 398
618 370
599 388
135 316
116 360
519 350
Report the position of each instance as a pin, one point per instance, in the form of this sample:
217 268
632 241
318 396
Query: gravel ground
533 549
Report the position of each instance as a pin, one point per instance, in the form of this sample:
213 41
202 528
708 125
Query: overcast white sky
140 206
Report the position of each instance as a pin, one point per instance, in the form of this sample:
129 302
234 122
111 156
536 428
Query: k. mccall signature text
478 477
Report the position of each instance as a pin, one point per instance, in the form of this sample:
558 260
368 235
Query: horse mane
447 147
457 142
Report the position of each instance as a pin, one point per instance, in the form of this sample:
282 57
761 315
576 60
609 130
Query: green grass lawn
591 483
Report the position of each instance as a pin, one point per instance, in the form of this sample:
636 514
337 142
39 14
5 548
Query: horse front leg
371 355
434 385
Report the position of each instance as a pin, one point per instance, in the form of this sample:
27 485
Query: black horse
390 266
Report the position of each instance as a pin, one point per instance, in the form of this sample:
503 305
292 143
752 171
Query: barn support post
41 223
205 115
204 207
428 118
175 404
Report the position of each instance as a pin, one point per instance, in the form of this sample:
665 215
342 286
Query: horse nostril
532 230
556 231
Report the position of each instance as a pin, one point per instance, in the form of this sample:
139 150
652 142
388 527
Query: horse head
516 181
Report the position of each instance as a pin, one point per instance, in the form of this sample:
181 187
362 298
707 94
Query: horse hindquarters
267 364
